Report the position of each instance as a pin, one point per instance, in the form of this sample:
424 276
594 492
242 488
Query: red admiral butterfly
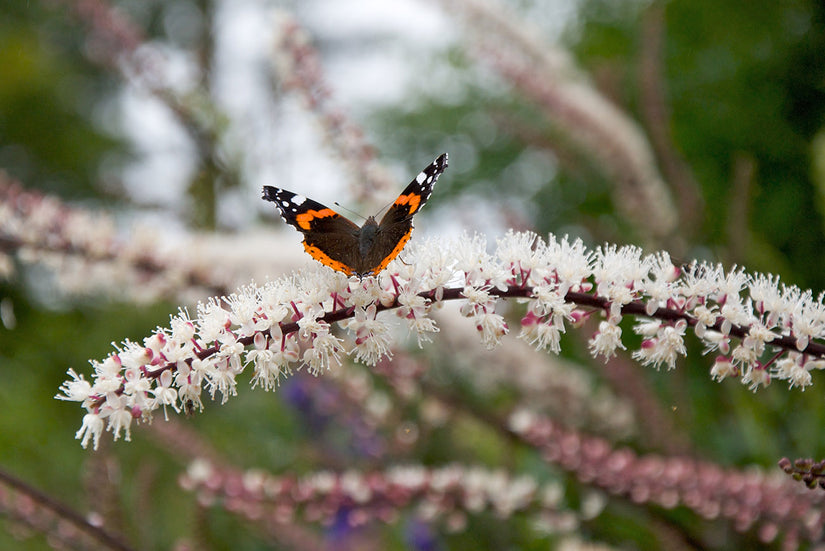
336 242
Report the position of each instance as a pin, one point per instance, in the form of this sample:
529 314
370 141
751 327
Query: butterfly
340 244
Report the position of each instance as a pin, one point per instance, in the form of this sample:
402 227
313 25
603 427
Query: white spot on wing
421 177
299 200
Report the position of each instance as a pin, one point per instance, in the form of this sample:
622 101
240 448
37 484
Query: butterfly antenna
339 205
385 207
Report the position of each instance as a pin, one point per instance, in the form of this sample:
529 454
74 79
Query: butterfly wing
396 226
329 238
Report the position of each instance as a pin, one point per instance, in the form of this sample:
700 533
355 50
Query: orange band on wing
324 259
304 220
412 199
398 248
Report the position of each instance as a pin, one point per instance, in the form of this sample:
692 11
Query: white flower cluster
288 323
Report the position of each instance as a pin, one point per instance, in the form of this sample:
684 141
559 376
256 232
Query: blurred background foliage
50 95
742 90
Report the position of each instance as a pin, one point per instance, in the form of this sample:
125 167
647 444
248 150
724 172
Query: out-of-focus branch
589 121
654 109
656 428
445 495
559 388
114 41
31 507
805 470
748 498
739 206
88 255
298 65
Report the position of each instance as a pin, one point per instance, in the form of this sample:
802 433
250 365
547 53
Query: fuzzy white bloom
372 336
699 282
213 321
571 262
481 306
220 375
808 320
665 347
492 327
75 390
617 271
658 284
164 394
90 430
326 349
730 286
715 341
523 253
119 415
542 335
472 259
478 301
544 322
768 298
245 311
758 336
757 328
793 369
415 310
438 267
267 370
606 340
723 368
754 377
705 317
548 301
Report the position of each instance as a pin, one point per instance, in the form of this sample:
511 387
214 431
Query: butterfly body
342 245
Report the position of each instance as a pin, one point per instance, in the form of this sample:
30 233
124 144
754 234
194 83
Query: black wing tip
442 160
269 193
276 194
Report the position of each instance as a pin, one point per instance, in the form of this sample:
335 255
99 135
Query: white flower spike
759 330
